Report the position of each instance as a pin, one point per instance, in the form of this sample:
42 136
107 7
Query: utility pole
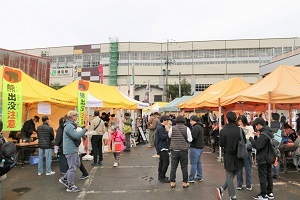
167 71
179 84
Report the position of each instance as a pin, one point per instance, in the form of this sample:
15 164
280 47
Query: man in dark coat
46 136
29 128
162 147
261 144
230 136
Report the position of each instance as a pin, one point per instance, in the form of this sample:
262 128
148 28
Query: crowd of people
176 140
181 140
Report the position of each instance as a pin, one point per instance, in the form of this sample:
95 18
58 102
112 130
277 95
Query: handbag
117 146
249 145
242 151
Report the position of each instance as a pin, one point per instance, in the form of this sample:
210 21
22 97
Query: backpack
8 156
277 133
273 149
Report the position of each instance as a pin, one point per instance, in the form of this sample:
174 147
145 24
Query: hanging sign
12 99
83 87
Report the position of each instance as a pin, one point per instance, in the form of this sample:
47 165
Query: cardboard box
33 160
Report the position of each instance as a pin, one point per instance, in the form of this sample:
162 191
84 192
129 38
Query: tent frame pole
220 158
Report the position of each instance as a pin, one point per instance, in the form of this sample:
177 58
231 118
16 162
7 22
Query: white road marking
87 184
138 166
156 190
132 191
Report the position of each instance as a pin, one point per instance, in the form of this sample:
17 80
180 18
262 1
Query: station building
201 63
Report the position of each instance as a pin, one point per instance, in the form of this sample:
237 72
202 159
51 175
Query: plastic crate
33 160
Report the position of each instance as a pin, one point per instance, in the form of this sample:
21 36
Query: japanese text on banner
12 99
83 87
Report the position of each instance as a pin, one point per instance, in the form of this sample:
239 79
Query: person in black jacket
196 149
162 145
63 164
261 143
230 136
46 136
214 136
29 128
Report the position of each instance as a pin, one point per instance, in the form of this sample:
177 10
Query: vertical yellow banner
83 87
12 99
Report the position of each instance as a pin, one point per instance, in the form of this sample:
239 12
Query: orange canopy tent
210 97
281 88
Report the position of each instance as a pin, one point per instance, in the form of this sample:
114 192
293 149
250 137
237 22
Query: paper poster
44 108
12 99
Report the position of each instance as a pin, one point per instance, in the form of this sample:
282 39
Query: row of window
200 63
96 63
191 54
201 87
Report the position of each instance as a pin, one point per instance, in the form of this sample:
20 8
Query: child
117 141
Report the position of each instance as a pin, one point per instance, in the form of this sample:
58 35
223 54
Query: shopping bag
117 146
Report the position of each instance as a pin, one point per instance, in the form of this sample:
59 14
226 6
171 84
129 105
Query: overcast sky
48 23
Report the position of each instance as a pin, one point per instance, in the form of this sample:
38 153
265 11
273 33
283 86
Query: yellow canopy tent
155 107
280 88
101 95
211 96
34 92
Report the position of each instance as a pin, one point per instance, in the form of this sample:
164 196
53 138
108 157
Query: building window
157 98
69 59
201 87
137 97
123 56
53 59
61 59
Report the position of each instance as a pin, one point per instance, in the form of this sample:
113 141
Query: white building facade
201 63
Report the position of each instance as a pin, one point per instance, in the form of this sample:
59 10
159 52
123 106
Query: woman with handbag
248 130
98 129
117 143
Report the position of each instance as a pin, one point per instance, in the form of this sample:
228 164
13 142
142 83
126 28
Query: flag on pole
83 87
12 99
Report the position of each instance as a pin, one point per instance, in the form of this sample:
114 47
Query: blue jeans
48 160
248 166
196 164
277 169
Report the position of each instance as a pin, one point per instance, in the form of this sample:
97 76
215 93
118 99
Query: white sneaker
249 188
270 196
239 187
50 173
116 164
40 173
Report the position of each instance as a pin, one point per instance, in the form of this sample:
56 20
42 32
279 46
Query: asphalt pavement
135 178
